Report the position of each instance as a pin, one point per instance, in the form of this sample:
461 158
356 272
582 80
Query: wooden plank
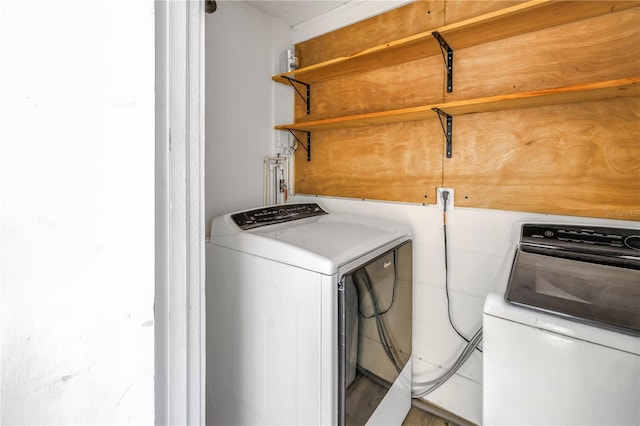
576 53
579 93
519 19
404 21
525 18
569 146
405 85
400 162
577 159
395 52
461 10
621 88
364 120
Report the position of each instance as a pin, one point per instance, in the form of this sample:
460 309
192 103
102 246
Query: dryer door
375 314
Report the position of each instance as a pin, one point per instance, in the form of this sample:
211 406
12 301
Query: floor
417 417
363 397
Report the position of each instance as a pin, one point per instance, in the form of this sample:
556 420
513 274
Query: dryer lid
319 243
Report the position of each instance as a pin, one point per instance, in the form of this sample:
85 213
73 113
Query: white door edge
179 303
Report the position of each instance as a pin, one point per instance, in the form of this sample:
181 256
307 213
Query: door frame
180 358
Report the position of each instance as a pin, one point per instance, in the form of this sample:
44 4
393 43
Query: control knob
633 242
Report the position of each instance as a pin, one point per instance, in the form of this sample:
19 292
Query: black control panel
580 238
275 214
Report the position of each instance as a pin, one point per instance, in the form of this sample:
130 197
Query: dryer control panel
275 214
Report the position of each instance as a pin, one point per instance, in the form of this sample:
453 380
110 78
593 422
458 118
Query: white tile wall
478 241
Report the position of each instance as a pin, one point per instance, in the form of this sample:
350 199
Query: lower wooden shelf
626 87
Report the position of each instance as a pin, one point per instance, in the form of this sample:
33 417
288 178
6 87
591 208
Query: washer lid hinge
447 55
305 98
446 128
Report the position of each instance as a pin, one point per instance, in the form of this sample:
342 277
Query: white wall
77 205
242 46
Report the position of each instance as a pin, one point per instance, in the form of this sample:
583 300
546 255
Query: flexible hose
362 276
472 344
439 381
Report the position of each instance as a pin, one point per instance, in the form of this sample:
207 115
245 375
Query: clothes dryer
308 318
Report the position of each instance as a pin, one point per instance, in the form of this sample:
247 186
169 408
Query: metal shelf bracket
447 55
306 148
446 121
305 98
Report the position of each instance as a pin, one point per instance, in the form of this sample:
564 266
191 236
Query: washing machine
308 318
562 329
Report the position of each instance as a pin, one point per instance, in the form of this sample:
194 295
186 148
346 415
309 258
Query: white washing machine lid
320 243
496 305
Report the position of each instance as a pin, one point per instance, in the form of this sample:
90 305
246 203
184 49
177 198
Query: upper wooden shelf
520 19
611 89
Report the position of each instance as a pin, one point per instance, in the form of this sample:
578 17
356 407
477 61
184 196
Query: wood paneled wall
577 159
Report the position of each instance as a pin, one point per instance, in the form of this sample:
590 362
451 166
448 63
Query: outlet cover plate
450 205
282 140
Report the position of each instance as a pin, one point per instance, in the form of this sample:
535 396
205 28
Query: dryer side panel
264 341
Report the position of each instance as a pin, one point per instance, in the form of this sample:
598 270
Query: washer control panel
581 237
275 214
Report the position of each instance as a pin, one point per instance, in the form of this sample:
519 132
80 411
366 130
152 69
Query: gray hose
363 278
437 382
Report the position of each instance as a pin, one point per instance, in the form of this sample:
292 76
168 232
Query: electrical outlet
283 144
441 198
282 140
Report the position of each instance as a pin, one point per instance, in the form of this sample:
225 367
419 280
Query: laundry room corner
368 135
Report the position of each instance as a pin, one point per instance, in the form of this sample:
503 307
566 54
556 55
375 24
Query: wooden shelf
520 19
612 89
